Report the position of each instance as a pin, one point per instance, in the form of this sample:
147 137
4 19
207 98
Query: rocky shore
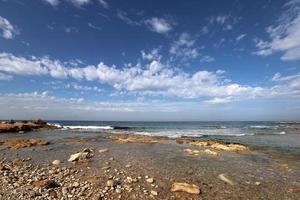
24 126
140 167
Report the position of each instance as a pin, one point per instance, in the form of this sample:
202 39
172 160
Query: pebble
150 180
110 183
103 150
154 193
56 162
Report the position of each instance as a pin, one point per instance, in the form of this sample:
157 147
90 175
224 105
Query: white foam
56 125
89 127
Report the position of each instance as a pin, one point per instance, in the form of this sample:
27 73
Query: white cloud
152 55
154 78
8 30
184 47
159 25
52 2
124 17
285 35
71 30
80 2
104 4
75 2
83 88
240 37
94 26
207 59
225 21
5 76
218 100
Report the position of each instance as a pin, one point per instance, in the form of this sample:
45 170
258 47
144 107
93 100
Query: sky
150 60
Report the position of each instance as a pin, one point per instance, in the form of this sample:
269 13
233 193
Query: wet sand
256 174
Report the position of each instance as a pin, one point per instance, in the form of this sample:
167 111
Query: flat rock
185 187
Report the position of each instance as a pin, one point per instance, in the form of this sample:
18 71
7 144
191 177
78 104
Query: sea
281 135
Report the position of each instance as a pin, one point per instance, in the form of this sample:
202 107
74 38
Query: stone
56 162
154 193
128 166
75 184
150 180
110 183
225 179
103 150
185 187
78 156
257 183
46 184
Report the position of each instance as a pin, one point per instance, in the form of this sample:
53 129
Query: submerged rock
185 187
130 138
17 144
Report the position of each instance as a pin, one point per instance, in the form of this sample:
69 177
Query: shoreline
126 160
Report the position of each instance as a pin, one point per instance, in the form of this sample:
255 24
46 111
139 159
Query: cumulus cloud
284 36
159 25
154 78
8 30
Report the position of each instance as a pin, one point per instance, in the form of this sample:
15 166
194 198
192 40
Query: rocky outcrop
23 126
130 138
17 144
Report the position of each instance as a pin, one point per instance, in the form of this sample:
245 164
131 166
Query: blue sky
150 60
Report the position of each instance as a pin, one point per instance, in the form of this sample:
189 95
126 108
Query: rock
110 183
86 153
221 145
118 190
185 187
46 184
128 166
75 184
257 183
154 193
131 138
150 180
56 162
77 156
210 152
225 179
103 150
17 144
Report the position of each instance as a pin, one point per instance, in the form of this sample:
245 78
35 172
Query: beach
131 166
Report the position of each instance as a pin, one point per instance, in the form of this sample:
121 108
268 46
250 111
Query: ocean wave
54 124
89 127
264 127
185 133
